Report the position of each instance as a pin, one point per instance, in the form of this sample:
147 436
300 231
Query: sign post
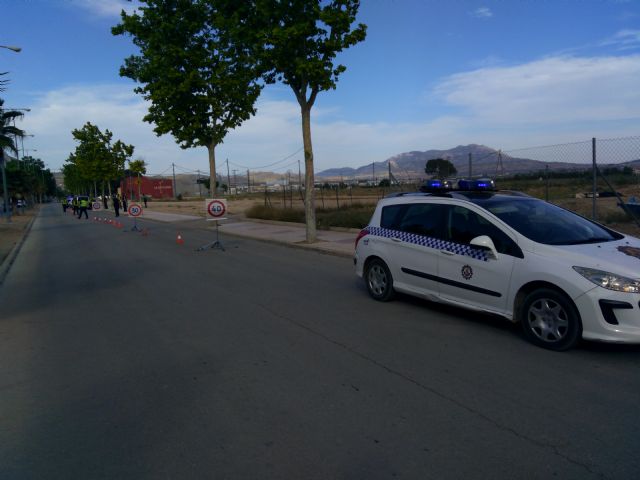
135 211
216 210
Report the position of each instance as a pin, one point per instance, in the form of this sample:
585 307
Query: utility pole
546 183
373 170
175 188
248 182
199 185
595 177
228 179
235 182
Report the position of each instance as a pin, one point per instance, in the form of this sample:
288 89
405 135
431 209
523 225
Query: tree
296 41
8 134
199 83
96 158
440 168
137 168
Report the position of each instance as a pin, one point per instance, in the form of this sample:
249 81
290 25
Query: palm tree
8 135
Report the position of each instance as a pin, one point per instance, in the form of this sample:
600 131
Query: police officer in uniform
84 204
116 205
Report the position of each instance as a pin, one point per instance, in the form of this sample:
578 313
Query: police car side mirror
485 243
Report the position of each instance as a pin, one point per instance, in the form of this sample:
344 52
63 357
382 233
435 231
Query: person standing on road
105 203
84 204
124 202
74 205
116 205
144 199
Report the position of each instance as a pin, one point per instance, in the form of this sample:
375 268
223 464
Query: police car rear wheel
550 320
379 280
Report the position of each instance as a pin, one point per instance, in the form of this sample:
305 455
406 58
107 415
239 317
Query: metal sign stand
217 244
135 226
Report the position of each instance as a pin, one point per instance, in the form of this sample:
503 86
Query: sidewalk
294 234
336 243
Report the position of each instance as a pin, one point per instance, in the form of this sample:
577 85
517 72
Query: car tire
550 320
379 280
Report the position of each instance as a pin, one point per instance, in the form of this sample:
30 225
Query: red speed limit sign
135 210
217 208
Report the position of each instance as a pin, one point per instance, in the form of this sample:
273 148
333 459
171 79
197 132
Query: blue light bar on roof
435 185
479 185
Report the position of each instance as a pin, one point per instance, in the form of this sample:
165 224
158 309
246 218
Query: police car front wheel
550 320
379 280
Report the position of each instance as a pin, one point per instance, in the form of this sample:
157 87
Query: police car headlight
610 281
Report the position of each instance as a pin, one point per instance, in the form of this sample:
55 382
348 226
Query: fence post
595 178
546 183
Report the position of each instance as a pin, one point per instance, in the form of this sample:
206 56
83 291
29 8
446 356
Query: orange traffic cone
179 240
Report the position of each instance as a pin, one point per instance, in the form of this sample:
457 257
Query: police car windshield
545 223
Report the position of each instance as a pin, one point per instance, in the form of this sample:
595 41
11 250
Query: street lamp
11 47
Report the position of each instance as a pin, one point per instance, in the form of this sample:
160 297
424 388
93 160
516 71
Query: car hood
620 256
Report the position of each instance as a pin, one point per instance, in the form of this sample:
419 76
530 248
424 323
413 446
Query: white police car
562 276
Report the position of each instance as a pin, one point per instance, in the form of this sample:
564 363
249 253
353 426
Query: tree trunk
212 169
309 180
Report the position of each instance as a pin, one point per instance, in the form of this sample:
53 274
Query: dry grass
11 233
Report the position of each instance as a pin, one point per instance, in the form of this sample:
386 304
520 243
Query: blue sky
432 74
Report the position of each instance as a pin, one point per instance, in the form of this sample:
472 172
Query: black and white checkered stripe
430 242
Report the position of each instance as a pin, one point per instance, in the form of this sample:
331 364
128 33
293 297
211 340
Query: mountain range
485 161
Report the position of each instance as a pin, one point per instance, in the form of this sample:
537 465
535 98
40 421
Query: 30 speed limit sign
216 208
135 210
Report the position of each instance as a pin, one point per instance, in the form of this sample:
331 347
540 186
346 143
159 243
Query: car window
419 218
546 223
464 225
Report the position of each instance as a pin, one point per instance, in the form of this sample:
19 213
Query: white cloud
548 101
106 8
482 12
624 40
548 92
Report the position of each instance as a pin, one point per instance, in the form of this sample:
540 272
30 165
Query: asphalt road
124 356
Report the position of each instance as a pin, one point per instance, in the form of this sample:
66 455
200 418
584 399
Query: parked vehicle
562 276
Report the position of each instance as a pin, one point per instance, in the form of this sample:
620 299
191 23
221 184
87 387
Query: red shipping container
151 187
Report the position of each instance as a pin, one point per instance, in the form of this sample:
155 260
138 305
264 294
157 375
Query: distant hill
485 161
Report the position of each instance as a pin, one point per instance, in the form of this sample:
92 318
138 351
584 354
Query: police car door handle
447 252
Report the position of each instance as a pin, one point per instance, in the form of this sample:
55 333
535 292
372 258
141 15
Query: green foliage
384 183
8 132
296 41
198 83
440 167
28 177
95 158
138 167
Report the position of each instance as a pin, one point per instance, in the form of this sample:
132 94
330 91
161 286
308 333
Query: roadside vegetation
348 216
563 189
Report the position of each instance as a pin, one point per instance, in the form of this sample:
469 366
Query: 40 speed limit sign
216 208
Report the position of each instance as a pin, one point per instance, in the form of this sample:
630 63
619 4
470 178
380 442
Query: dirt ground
11 233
